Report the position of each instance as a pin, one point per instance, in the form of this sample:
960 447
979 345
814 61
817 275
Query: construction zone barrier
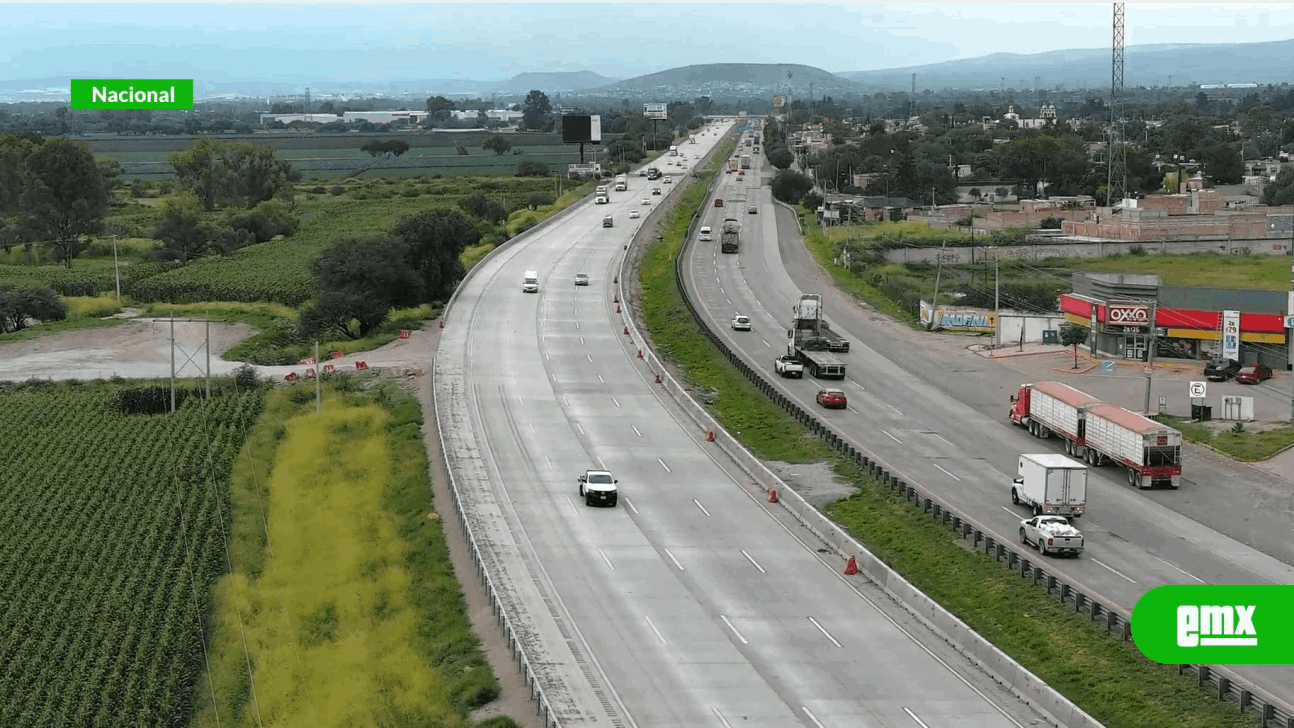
658 377
307 361
640 353
361 366
310 374
772 495
626 331
851 567
404 334
329 368
709 436
290 378
336 355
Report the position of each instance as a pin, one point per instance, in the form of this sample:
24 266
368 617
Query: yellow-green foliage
221 309
329 623
473 255
92 306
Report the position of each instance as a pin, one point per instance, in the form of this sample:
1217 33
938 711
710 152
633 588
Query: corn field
112 533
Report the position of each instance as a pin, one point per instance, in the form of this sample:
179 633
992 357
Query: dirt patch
813 481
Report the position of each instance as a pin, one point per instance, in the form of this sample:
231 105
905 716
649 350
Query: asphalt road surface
940 418
688 604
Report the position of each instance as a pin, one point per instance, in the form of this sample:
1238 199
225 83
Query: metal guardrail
1273 711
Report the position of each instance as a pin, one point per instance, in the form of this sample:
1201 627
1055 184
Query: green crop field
111 526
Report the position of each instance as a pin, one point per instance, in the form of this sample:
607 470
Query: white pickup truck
788 365
597 487
1051 535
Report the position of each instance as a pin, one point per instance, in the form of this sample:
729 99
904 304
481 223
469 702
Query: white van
531 282
705 234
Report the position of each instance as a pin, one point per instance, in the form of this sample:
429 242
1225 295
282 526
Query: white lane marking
566 401
722 719
659 636
613 399
752 560
723 291
546 356
1114 570
600 379
892 437
954 477
856 385
1008 510
676 563
824 632
589 357
663 465
812 717
579 427
571 503
729 300
999 472
604 558
716 280
520 400
550 462
767 344
532 427
734 629
631 505
604 465
1184 571
636 432
577 325
698 505
941 437
581 339
896 409
914 717
840 577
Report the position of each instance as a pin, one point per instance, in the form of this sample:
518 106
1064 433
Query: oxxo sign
1122 315
1190 624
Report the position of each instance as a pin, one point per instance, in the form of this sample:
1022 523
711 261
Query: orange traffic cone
851 568
626 331
709 437
658 377
640 353
616 299
617 308
616 279
772 495
442 323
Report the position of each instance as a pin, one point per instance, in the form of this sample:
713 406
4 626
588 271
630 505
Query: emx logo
1216 624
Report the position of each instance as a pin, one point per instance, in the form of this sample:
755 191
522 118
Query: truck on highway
622 183
1050 484
745 161
729 236
807 315
673 151
1051 535
788 366
732 165
653 173
1047 408
1151 452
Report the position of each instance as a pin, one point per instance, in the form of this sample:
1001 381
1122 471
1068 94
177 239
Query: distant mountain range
1147 65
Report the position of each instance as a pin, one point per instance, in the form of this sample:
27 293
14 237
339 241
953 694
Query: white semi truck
1051 485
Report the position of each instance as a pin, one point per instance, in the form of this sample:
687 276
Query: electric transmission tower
1117 180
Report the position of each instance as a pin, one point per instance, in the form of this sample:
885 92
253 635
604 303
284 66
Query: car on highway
646 201
597 487
741 173
633 214
752 210
655 190
1051 535
741 323
718 202
581 279
788 366
1253 374
642 172
668 181
832 398
1220 370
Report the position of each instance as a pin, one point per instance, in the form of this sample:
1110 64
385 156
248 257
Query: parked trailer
1046 408
1150 451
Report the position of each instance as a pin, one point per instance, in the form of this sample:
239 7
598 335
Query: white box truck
1050 484
530 284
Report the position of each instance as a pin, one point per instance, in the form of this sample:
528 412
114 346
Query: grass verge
825 250
349 612
49 328
1248 446
1107 677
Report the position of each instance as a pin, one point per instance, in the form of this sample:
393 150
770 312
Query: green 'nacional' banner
132 93
1216 624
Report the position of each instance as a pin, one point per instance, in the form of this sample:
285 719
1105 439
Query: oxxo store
1123 330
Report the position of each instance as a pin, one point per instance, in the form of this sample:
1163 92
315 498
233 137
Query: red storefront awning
1179 318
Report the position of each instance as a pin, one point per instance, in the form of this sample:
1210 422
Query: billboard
579 129
1127 314
779 102
654 111
1231 335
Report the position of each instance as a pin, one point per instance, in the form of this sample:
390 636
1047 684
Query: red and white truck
1047 408
1151 452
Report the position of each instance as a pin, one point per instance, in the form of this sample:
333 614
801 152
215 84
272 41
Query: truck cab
597 487
607 221
530 283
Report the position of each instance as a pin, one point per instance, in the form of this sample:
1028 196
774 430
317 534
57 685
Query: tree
532 168
394 147
39 304
780 158
497 143
13 171
65 196
360 281
1280 191
232 174
181 232
535 111
1222 164
435 241
790 187
1073 335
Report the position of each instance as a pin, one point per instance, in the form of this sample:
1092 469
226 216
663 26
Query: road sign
1148 370
1198 389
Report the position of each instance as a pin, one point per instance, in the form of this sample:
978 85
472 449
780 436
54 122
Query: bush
1051 223
532 168
336 190
18 306
245 377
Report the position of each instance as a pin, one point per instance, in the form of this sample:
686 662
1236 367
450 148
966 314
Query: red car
832 399
1253 374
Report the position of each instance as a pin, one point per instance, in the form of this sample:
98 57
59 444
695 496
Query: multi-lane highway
689 604
1134 542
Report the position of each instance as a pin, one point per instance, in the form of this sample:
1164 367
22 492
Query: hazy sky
493 41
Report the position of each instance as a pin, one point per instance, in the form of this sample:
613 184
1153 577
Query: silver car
581 279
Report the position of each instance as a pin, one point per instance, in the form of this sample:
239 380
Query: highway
691 603
964 452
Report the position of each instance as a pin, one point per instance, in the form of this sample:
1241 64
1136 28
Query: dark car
1220 370
1253 374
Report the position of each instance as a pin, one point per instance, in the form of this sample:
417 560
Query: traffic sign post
1198 390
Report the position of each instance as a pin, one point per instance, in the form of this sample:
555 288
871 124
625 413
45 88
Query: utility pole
934 303
116 269
172 361
319 386
1150 354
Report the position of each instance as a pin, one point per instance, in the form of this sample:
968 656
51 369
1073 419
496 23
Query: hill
730 79
551 82
1146 65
